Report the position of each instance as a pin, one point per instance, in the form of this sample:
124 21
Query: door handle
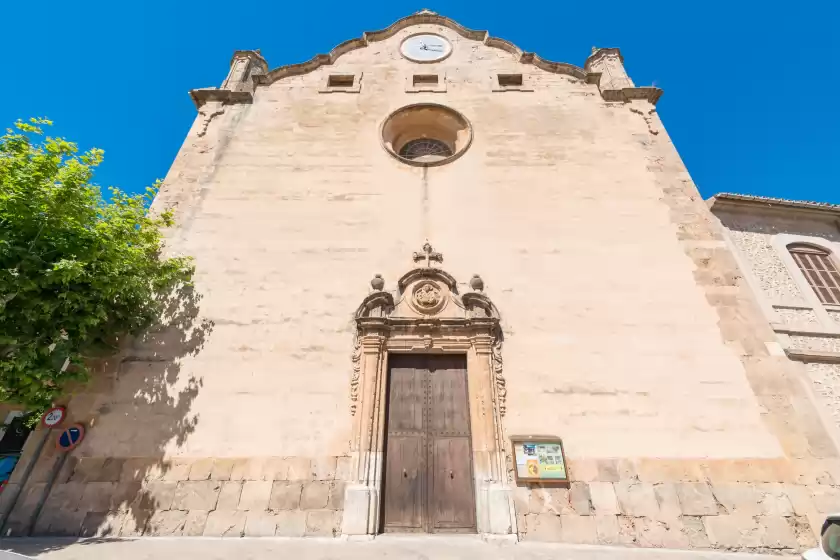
405 474
452 476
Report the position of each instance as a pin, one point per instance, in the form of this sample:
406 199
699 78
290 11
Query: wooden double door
428 478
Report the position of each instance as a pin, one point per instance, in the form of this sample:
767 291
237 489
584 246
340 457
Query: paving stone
156 495
733 531
166 523
603 498
738 497
544 527
636 499
87 469
774 501
260 524
275 468
290 523
521 498
197 495
65 523
111 470
194 523
97 496
800 499
323 468
300 468
201 469
135 469
826 499
126 495
255 495
315 495
102 524
248 469
580 499
666 498
134 524
660 533
285 495
222 469
578 529
64 497
176 470
225 523
626 531
321 523
696 498
608 471
229 494
806 537
606 528
695 532
344 469
550 500
336 500
777 533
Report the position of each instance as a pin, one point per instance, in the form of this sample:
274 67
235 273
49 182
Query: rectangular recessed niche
510 80
340 81
421 80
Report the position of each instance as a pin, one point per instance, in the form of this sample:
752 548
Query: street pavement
390 547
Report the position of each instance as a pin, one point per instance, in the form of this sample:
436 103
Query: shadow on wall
136 406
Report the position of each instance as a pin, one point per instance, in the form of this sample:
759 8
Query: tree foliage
77 271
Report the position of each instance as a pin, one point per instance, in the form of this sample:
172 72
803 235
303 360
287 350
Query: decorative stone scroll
427 313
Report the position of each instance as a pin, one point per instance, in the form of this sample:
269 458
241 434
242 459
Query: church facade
418 249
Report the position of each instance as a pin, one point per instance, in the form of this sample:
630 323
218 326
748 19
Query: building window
426 134
346 83
425 80
415 83
510 80
819 269
426 149
340 81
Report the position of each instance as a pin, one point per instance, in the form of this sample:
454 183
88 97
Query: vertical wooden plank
405 456
451 501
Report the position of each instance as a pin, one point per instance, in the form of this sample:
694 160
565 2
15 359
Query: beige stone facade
613 315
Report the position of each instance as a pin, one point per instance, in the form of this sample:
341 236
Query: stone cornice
204 95
751 203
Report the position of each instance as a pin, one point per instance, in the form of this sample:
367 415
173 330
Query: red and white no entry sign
53 417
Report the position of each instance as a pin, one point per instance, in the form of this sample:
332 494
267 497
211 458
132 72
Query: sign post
70 437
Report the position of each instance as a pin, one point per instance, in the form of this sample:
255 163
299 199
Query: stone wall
728 505
283 496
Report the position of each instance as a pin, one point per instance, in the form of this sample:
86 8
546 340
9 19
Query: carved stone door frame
427 315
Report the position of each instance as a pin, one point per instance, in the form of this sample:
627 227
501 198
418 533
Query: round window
426 134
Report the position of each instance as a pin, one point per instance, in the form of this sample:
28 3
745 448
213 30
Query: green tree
77 271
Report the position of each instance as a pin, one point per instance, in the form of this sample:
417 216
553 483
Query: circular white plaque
53 416
426 47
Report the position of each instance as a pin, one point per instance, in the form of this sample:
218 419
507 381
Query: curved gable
422 17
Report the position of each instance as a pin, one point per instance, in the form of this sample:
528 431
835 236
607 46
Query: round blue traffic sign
70 437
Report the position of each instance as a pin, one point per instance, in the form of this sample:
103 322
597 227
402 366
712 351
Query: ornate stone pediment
426 293
426 312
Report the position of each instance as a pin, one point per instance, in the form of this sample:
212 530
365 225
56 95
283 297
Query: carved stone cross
428 255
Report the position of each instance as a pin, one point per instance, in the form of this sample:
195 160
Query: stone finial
426 12
429 255
377 283
476 283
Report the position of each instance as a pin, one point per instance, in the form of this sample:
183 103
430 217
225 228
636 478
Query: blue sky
750 87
